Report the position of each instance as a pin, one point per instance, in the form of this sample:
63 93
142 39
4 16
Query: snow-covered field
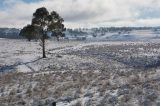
79 73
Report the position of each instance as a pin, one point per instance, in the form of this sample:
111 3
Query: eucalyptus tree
42 23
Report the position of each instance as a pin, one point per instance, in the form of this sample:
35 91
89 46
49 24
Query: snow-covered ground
80 73
21 55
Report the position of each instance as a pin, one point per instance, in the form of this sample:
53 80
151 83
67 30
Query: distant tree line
11 33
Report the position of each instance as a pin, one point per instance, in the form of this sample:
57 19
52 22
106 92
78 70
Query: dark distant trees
11 33
42 23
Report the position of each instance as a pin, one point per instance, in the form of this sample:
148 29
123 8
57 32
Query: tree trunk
57 38
43 46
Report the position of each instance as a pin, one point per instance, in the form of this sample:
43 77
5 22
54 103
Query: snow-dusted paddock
79 73
21 55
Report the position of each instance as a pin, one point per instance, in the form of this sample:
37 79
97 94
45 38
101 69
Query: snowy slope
80 73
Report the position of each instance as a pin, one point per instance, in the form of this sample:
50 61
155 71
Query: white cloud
83 13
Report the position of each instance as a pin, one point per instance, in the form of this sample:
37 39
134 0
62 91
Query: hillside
78 73
98 34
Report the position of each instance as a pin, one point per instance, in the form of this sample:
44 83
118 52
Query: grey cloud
81 12
81 16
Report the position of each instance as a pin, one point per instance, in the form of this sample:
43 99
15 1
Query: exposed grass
121 75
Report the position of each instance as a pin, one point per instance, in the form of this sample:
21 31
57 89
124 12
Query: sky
84 13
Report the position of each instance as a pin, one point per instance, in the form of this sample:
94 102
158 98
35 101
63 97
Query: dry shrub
134 79
9 77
